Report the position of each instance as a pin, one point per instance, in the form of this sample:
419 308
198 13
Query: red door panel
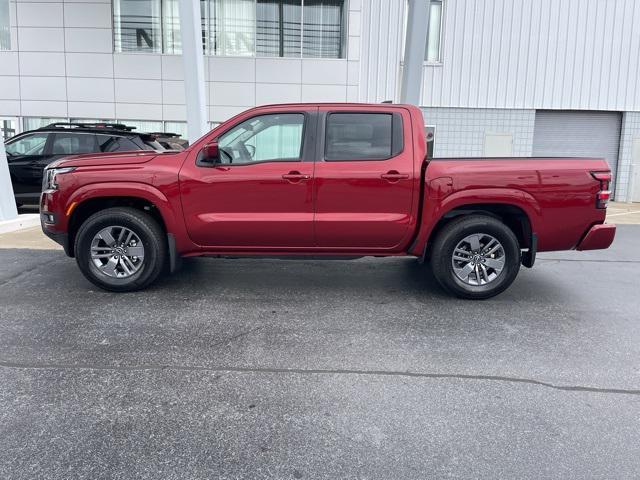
255 205
259 192
366 204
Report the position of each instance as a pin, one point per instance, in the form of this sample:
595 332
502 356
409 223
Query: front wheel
475 257
120 249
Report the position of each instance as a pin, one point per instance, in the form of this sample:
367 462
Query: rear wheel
475 257
120 249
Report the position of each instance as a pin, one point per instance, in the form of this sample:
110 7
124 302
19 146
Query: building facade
501 77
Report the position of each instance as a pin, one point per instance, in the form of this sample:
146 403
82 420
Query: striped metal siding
542 54
578 134
381 49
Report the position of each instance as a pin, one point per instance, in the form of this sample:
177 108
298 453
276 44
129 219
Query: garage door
578 134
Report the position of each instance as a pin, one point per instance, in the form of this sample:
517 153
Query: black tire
144 226
453 233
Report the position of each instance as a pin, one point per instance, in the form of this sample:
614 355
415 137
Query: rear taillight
604 194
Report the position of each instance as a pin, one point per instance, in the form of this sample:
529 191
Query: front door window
32 144
263 138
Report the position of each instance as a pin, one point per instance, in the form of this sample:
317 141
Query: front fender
126 189
434 211
171 215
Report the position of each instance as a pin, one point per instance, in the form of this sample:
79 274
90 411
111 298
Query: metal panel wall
542 54
578 134
381 49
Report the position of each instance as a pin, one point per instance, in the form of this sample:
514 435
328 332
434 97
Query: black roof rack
165 134
111 126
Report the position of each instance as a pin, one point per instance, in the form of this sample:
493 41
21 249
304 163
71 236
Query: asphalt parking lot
237 368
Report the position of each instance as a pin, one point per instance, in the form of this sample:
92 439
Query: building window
291 28
179 128
268 28
8 128
278 28
137 25
8 125
33 123
5 26
171 39
229 27
432 52
147 126
323 31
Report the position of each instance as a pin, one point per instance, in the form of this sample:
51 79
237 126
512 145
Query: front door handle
394 176
295 176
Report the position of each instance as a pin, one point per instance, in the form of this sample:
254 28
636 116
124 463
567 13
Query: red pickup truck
325 180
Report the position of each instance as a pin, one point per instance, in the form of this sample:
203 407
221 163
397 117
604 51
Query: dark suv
30 152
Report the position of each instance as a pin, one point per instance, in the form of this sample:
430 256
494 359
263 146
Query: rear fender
435 211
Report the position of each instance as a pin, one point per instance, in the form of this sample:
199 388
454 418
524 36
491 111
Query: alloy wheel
117 252
478 259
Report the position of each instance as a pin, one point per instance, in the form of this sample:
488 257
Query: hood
116 158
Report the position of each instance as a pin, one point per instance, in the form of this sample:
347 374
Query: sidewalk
25 232
31 237
20 222
623 213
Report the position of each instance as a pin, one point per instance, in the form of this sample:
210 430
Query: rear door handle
394 176
295 176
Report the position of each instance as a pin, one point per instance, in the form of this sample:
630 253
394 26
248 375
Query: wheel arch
94 198
513 216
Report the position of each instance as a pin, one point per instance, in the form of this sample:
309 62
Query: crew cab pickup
322 180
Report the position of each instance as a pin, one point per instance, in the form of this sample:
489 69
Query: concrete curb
23 221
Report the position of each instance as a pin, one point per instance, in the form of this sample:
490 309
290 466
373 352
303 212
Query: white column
8 210
193 61
415 45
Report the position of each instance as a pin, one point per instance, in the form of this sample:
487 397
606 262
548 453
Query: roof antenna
388 101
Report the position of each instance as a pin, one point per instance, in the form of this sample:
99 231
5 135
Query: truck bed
557 189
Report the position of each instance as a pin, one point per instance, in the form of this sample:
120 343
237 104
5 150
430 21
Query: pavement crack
318 371
237 336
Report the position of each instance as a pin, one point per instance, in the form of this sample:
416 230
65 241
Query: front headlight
50 174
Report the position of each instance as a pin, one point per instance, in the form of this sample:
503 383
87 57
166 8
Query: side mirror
210 153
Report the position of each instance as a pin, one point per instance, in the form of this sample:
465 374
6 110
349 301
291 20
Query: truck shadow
368 277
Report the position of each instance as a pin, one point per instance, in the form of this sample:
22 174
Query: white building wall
381 49
461 132
62 65
630 132
543 54
517 54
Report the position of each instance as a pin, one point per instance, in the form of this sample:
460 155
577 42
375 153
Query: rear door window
361 136
73 143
